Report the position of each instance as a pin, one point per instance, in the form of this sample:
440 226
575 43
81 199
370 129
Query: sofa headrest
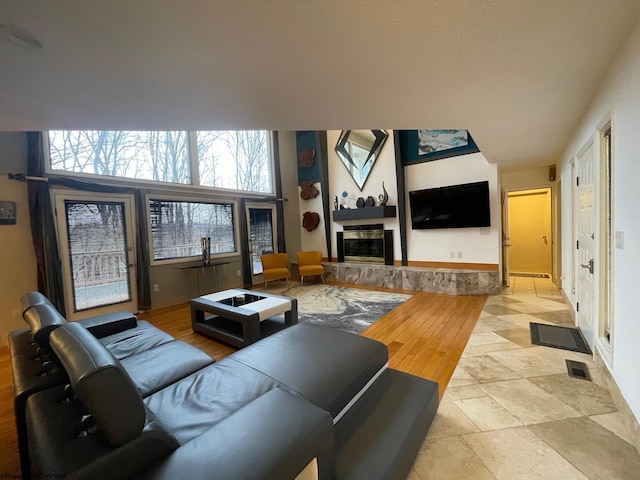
42 320
31 299
100 383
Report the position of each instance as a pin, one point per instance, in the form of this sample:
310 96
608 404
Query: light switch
620 240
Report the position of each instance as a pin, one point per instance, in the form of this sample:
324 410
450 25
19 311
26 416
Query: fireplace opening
365 243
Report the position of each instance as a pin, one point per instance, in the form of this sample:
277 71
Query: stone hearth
435 280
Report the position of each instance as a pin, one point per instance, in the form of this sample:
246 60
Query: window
159 156
178 226
231 160
235 160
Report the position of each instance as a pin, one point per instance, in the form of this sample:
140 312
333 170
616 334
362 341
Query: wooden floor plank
425 335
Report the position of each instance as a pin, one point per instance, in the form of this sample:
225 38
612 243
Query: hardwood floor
425 336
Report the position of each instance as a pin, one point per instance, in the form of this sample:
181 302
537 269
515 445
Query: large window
177 228
159 156
231 160
235 160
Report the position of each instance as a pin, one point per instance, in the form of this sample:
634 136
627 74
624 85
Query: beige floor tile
526 307
485 369
450 421
523 320
485 338
460 377
563 318
492 324
499 310
518 454
530 362
448 459
520 336
614 422
527 402
465 391
586 397
487 414
475 350
594 450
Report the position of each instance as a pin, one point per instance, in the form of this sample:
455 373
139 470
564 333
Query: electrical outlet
238 273
15 314
459 254
452 254
156 287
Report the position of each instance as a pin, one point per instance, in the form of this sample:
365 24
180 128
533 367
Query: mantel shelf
364 213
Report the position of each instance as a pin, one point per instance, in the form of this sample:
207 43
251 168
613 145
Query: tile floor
511 411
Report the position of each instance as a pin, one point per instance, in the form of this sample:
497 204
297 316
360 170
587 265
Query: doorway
261 229
530 232
97 250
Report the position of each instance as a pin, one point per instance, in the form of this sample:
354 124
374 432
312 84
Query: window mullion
193 157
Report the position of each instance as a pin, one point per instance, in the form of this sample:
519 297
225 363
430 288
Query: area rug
565 338
349 309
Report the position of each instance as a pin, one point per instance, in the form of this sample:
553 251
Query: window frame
165 197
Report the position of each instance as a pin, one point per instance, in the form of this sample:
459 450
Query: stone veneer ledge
434 280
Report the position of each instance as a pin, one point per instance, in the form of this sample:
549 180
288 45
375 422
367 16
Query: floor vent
578 370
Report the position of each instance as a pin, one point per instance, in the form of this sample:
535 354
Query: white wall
619 100
340 181
17 258
478 245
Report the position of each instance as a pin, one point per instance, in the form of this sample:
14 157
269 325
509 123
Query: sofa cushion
135 340
326 365
100 383
272 437
57 449
163 365
109 323
42 320
31 299
191 406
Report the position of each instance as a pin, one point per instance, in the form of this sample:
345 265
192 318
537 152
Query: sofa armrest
108 324
274 437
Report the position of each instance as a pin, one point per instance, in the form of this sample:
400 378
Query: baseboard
621 404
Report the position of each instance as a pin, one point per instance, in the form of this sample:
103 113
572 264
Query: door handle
589 266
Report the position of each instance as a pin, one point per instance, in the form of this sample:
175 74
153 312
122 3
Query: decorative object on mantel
417 146
360 202
310 221
308 191
359 150
384 196
369 202
335 202
7 213
307 158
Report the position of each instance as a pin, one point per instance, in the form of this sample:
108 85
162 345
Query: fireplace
365 243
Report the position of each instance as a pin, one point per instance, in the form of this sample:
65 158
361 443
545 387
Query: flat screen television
453 206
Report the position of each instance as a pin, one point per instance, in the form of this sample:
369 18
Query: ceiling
518 74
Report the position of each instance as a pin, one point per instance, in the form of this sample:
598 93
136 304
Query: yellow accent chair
275 267
309 264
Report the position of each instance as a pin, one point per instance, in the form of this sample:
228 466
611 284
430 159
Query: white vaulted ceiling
517 73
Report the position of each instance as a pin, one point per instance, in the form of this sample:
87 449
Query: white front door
97 250
587 208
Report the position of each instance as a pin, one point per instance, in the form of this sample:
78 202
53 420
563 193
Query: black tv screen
454 206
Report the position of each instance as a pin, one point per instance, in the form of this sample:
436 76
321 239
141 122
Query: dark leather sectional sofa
113 397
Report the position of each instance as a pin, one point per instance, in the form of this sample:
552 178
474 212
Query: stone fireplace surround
436 280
